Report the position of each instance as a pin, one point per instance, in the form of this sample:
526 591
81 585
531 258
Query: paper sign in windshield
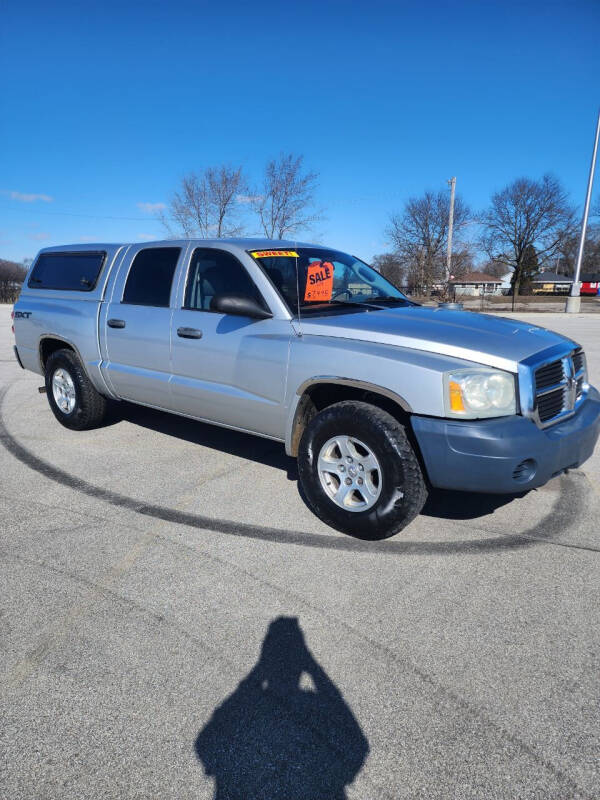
319 282
270 253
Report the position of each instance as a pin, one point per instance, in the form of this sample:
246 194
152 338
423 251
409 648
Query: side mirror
240 305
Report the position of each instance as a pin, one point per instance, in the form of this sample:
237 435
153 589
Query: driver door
227 369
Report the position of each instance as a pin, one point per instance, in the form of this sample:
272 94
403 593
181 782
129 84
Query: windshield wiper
376 304
387 300
350 303
328 305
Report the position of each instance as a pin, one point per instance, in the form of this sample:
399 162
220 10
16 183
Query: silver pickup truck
378 398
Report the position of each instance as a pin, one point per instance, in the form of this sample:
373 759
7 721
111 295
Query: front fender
411 378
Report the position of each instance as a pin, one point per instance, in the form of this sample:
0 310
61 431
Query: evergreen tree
529 268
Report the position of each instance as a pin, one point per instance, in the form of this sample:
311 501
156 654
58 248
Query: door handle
189 333
116 323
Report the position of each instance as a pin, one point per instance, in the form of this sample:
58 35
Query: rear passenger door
137 325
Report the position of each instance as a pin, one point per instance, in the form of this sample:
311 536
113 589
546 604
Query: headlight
479 392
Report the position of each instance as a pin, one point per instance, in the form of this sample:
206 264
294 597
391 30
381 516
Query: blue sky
106 105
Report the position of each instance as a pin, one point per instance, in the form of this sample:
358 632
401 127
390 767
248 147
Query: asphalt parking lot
175 623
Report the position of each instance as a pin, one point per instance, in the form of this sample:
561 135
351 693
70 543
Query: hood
482 338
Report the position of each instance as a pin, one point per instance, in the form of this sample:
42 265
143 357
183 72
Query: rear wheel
73 399
359 471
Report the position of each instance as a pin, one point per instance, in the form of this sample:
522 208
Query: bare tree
207 205
420 234
566 256
463 259
495 267
391 266
527 214
11 280
285 203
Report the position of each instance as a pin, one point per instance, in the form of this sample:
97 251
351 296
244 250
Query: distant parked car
590 284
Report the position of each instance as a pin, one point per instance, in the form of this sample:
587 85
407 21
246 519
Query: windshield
325 279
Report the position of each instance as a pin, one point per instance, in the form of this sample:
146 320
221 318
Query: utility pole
452 185
574 299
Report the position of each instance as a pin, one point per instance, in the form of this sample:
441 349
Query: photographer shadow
286 731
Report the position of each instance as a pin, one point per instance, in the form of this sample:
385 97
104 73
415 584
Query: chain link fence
490 301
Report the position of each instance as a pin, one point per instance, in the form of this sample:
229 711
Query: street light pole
452 185
574 299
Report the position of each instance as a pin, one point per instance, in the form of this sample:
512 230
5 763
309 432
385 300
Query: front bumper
505 455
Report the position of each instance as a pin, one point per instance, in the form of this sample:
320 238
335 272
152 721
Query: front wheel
359 471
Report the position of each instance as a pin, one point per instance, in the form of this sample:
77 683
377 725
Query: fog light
525 471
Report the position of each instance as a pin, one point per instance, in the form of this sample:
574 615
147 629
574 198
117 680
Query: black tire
403 489
90 405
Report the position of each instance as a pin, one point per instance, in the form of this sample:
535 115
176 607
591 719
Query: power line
92 216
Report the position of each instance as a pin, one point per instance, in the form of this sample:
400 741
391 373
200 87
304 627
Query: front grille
549 375
559 386
551 404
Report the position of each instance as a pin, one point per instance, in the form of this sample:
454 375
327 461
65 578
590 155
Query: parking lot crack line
49 507
60 629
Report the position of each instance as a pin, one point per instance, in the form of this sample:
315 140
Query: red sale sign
319 282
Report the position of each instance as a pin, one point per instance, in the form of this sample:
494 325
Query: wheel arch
317 393
49 343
